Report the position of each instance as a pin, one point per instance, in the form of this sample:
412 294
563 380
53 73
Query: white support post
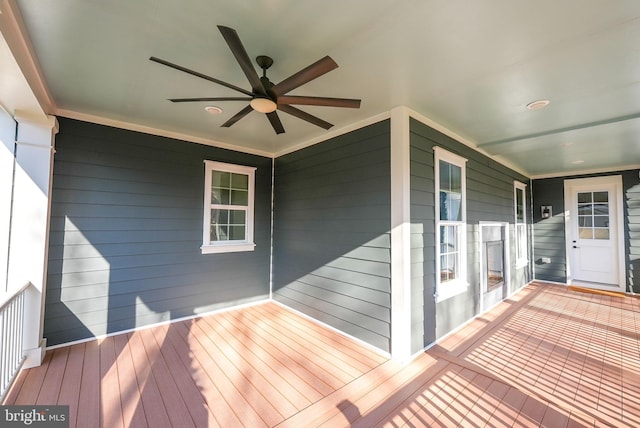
29 235
400 236
7 143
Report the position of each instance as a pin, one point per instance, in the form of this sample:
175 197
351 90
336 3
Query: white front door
594 224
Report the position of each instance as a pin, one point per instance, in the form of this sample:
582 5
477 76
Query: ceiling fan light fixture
263 105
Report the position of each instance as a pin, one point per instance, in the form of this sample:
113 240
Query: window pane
450 177
239 197
228 225
239 181
585 233
520 205
220 179
236 233
450 206
601 209
601 221
521 230
585 221
585 209
238 217
601 233
600 196
449 252
585 198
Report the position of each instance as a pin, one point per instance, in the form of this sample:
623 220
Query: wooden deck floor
545 357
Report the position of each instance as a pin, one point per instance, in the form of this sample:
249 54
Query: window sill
450 289
233 247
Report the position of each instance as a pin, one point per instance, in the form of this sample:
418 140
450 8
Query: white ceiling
470 66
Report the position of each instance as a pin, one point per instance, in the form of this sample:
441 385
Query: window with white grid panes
520 203
450 174
228 208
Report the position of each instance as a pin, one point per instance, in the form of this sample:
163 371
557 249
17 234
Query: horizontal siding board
331 232
126 231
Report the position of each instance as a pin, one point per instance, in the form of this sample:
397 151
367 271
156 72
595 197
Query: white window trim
461 284
227 246
517 185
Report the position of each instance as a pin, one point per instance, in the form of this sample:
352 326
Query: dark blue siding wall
490 197
549 234
331 232
126 230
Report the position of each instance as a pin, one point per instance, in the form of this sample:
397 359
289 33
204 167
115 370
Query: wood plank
279 363
594 291
52 381
89 402
261 364
361 354
33 382
150 397
297 366
129 392
246 380
190 382
241 407
181 350
110 409
334 378
70 387
175 405
313 349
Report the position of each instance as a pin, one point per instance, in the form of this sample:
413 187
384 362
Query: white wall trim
400 235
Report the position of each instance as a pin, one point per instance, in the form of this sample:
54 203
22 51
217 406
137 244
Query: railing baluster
11 330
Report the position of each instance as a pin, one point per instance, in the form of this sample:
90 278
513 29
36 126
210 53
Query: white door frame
617 199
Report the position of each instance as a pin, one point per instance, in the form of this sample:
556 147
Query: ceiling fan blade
238 50
304 116
200 75
189 100
319 101
305 75
275 122
242 113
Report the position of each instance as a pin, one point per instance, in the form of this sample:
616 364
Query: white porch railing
11 331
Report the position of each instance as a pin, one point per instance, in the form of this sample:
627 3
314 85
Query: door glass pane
584 197
601 197
585 221
593 215
585 233
585 209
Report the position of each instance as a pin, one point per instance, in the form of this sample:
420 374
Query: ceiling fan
264 96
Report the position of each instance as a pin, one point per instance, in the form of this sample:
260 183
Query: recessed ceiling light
577 162
537 105
213 109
